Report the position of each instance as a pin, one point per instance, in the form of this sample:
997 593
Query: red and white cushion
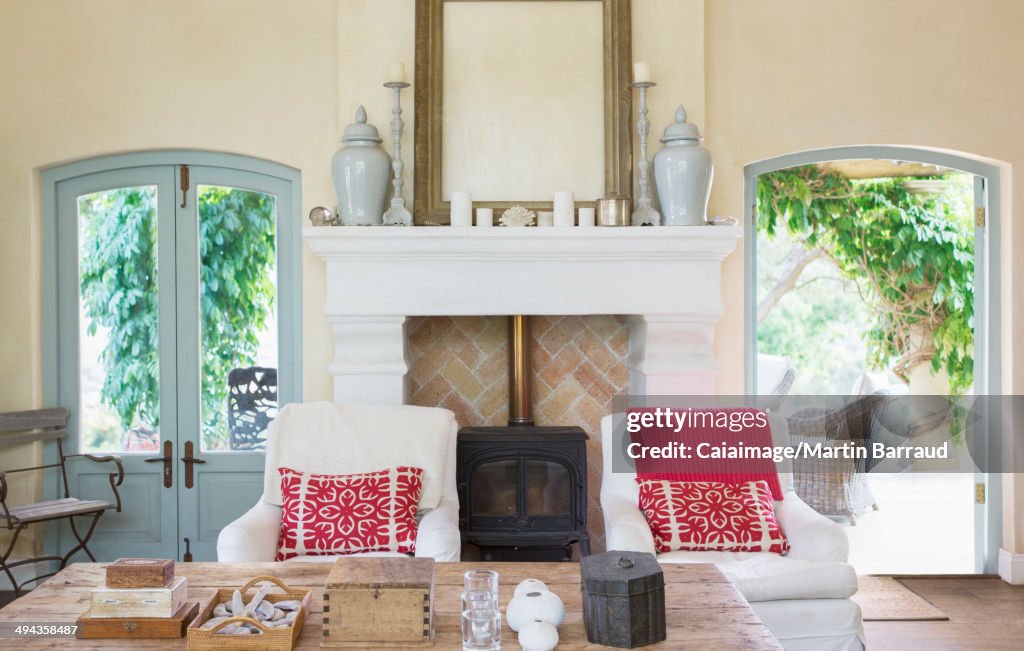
711 516
326 515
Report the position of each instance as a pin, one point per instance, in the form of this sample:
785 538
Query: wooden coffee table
704 610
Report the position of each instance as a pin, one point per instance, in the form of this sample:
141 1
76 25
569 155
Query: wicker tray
273 639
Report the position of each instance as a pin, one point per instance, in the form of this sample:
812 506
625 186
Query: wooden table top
704 610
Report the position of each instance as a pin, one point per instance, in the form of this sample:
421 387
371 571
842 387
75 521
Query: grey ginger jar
683 172
361 171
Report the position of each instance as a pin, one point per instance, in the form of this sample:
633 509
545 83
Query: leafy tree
118 270
119 293
912 255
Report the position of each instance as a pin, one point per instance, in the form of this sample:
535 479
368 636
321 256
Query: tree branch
797 261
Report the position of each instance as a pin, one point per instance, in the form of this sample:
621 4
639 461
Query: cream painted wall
82 79
792 75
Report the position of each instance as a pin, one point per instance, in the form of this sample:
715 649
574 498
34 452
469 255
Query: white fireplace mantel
666 279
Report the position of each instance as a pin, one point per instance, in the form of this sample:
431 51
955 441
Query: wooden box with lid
379 602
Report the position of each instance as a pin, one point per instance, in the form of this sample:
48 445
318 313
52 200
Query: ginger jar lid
360 130
681 129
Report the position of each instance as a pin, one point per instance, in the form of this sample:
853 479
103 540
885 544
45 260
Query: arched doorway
986 177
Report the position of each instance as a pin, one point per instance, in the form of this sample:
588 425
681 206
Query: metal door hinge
979 493
184 184
979 217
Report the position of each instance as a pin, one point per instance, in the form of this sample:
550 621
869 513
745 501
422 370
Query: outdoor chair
39 426
836 487
252 405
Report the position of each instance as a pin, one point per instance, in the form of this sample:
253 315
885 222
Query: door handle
189 461
168 461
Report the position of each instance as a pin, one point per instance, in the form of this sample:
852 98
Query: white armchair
342 439
803 598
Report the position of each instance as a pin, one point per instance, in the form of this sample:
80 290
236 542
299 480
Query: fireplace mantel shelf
667 280
472 243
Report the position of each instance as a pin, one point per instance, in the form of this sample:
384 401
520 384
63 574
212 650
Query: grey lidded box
623 599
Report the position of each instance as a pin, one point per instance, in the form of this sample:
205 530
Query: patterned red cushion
325 515
711 516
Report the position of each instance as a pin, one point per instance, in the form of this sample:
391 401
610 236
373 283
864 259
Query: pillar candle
462 209
485 217
641 72
397 72
564 209
587 217
545 218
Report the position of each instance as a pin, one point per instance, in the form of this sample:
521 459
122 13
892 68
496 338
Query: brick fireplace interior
579 365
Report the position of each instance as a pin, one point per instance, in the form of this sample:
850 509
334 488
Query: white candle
545 218
587 217
462 209
641 72
485 217
564 209
396 72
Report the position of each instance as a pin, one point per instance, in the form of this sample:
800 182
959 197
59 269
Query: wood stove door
522 493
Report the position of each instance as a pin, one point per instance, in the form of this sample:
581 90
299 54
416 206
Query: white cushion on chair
329 438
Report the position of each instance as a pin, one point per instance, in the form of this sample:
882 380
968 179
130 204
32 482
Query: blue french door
170 348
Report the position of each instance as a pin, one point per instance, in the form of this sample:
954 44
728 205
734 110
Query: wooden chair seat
61 508
47 426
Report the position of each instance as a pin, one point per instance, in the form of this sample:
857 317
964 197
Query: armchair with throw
328 438
803 597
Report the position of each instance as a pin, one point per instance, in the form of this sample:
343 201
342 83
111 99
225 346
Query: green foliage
118 270
819 325
119 293
236 248
913 254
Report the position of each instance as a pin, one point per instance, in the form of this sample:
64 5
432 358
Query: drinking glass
480 586
481 629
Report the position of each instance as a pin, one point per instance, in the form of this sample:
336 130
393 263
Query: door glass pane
238 316
494 487
118 320
548 488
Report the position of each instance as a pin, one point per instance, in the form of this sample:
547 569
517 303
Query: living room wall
278 81
82 79
792 75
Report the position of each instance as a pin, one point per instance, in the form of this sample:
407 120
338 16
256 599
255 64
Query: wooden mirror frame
429 206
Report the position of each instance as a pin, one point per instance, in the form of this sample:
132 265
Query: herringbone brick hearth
579 366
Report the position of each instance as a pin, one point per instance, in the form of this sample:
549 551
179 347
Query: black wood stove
523 488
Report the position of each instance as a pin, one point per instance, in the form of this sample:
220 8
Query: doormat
884 599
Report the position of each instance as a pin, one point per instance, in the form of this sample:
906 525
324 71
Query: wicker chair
836 487
252 404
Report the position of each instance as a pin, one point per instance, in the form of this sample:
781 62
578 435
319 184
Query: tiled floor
984 613
924 525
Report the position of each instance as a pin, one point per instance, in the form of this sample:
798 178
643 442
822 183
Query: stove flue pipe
520 408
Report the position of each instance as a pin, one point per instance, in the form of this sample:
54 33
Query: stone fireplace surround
381 282
666 280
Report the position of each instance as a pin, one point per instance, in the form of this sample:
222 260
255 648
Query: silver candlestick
644 213
397 215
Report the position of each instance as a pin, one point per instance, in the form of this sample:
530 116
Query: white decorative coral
517 216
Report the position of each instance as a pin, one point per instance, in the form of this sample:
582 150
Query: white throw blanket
328 438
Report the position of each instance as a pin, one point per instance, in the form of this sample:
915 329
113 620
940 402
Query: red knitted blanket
731 445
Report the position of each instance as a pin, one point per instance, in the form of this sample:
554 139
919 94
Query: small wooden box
379 602
623 599
137 628
140 573
139 602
